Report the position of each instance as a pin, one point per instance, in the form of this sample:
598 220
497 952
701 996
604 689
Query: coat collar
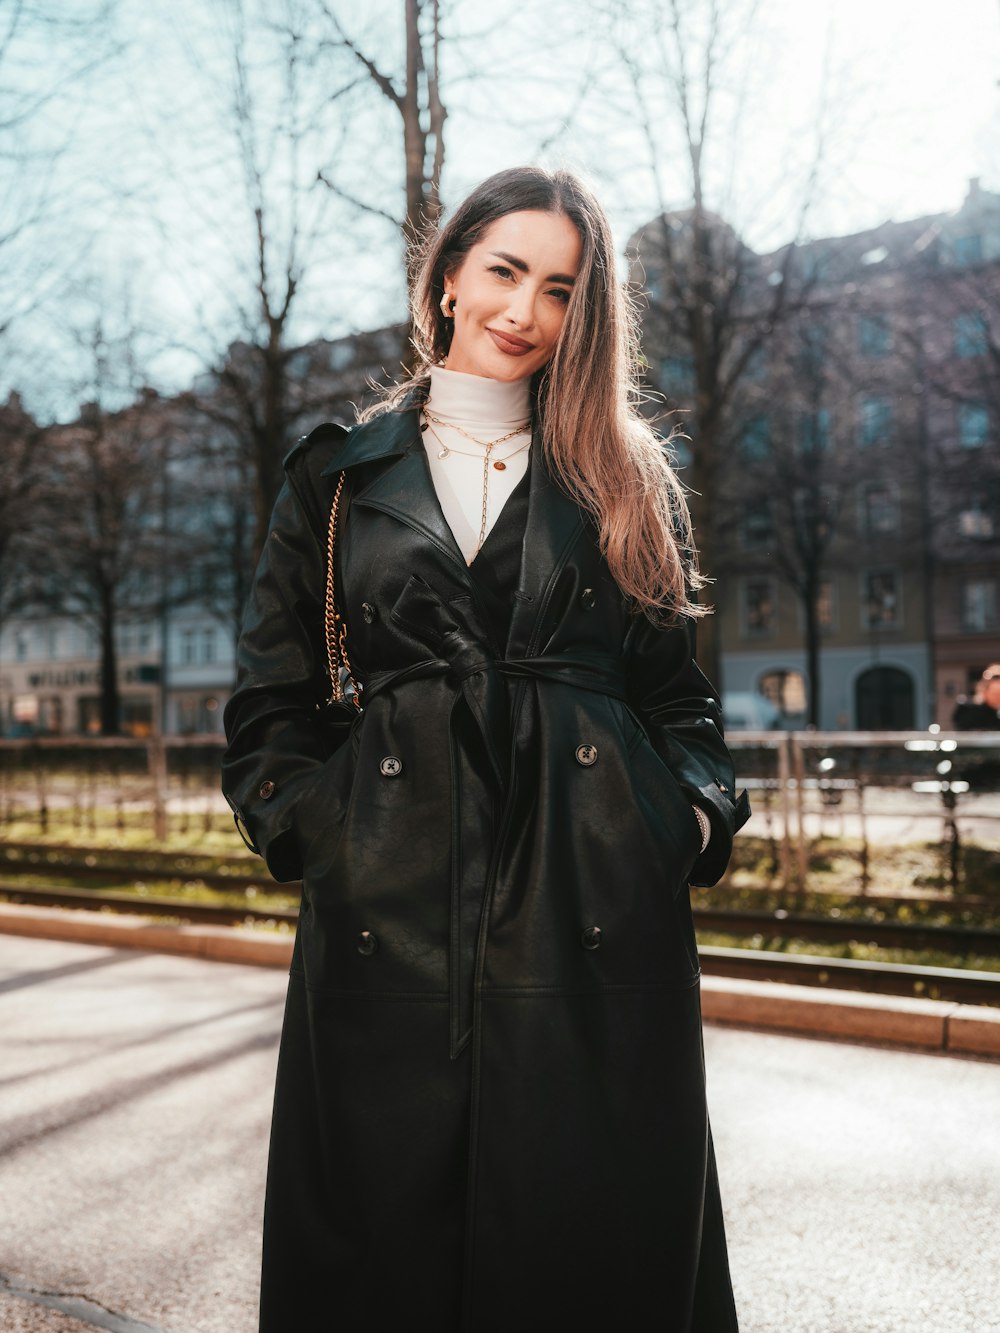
405 491
384 436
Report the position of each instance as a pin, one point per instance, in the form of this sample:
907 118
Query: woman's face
511 292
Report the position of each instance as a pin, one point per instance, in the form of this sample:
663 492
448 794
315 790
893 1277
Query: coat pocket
655 782
321 809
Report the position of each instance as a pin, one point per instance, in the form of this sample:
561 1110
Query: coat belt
479 678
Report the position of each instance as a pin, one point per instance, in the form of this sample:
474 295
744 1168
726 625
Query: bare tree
48 55
784 499
20 475
99 543
685 70
416 94
266 113
952 306
826 463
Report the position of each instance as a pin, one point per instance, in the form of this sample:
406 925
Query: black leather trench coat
490 1108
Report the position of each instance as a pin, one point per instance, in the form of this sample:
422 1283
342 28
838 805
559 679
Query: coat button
722 786
591 937
266 789
367 943
586 755
368 612
587 599
391 767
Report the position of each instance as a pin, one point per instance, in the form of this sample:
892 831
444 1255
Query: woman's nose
521 307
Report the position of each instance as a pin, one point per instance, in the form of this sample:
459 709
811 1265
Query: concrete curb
894 1020
220 944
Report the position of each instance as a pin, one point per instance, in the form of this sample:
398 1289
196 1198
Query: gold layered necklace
500 464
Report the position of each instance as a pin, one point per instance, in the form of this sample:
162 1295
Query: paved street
862 1186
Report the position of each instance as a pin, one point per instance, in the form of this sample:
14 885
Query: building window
297 365
144 585
874 335
814 510
208 644
973 425
976 521
826 611
341 354
187 646
814 431
968 250
875 422
825 607
816 266
879 510
677 376
786 690
21 646
755 442
756 366
979 606
881 603
757 527
972 335
758 608
812 350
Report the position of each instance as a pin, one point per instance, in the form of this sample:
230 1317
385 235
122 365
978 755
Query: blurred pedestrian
982 711
490 1109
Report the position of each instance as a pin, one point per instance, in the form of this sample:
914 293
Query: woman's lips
512 346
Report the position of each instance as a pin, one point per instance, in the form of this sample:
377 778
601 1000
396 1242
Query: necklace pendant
445 451
500 465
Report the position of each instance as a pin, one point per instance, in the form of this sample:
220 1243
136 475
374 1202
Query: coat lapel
404 489
554 525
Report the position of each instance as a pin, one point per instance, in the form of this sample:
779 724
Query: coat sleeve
683 720
278 743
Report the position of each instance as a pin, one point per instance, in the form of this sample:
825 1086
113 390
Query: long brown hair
594 439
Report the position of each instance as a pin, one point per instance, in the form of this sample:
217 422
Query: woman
982 711
490 1107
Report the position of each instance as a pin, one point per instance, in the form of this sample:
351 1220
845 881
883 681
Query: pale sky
931 72
914 85
913 113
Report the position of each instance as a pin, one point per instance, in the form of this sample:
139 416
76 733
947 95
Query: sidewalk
861 1186
890 1020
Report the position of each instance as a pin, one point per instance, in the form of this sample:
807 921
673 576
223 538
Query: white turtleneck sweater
487 409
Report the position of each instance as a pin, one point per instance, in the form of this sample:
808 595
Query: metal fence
159 785
870 789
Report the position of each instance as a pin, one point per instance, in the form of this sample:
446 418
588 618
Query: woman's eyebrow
524 268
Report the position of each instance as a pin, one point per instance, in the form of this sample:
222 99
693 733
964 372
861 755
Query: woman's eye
501 271
561 294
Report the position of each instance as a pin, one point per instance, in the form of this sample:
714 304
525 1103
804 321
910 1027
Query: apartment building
855 485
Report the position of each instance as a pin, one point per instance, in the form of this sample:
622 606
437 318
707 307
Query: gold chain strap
334 624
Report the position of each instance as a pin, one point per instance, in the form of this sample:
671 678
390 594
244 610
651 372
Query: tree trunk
812 651
704 485
110 698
